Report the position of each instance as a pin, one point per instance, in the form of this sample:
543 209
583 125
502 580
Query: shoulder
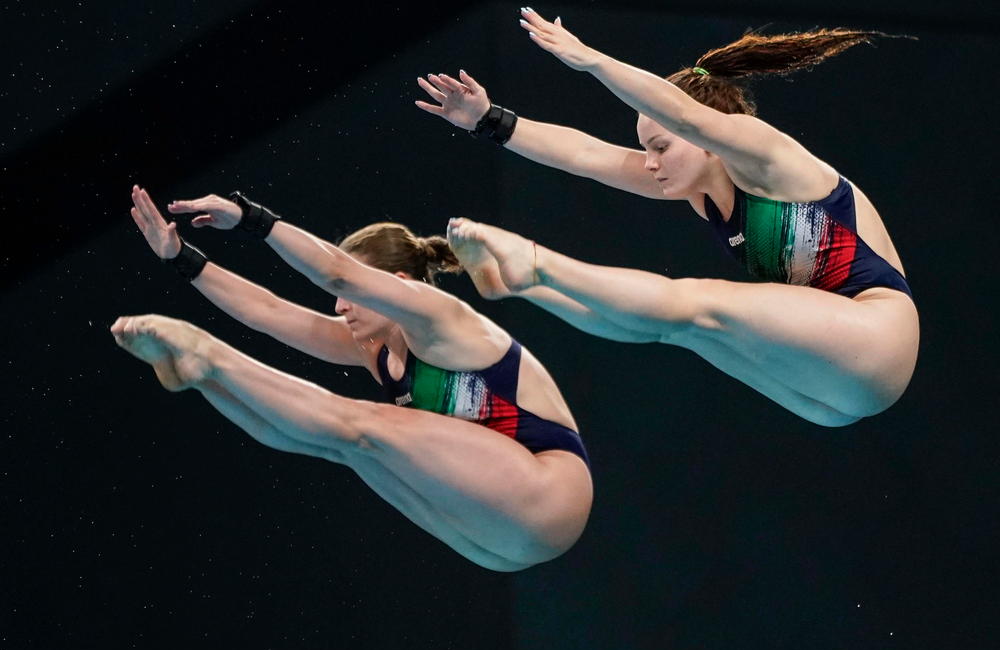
797 177
466 342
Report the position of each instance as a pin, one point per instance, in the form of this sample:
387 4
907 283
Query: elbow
331 277
686 125
336 285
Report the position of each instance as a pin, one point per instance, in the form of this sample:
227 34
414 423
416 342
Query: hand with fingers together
161 236
553 37
461 101
218 212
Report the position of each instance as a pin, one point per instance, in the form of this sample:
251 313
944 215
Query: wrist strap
497 124
189 262
257 220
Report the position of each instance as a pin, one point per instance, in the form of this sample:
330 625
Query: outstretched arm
317 334
760 158
427 315
463 101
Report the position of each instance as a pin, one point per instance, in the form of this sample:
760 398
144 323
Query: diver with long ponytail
832 331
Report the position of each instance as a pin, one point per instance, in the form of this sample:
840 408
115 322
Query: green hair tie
701 71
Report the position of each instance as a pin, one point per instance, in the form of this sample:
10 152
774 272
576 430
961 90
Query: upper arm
418 307
761 159
320 335
619 167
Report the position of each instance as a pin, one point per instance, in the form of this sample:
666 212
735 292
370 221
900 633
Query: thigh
423 513
399 495
524 507
730 361
855 356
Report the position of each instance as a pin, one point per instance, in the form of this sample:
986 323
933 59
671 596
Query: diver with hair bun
477 445
832 331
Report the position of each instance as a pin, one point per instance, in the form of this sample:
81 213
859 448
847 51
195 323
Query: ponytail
394 248
440 257
718 77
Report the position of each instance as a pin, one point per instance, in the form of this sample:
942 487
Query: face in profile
366 325
676 164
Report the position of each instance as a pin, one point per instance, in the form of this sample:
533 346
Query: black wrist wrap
257 220
189 262
497 124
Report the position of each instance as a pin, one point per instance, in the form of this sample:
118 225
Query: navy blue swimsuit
813 244
487 397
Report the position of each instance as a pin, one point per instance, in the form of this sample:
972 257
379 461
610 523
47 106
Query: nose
342 306
652 161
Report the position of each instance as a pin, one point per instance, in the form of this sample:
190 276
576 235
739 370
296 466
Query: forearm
237 296
552 145
584 155
317 334
652 96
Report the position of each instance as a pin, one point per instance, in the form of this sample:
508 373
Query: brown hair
729 67
393 247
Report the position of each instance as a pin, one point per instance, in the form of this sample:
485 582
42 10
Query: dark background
134 517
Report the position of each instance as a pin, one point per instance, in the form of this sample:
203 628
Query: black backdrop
133 517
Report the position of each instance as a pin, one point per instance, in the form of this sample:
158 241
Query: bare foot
514 255
477 261
174 348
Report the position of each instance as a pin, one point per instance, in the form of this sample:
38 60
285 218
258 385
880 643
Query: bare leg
854 356
484 271
380 480
737 366
520 507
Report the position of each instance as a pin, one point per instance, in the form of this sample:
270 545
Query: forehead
646 128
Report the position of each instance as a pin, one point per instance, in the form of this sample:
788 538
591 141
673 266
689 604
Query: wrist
497 124
254 217
189 261
598 62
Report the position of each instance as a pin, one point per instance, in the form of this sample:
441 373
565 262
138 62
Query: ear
404 275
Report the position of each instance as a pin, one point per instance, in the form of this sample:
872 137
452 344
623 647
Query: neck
391 337
718 186
395 341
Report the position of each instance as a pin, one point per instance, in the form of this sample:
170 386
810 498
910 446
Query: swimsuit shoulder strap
502 376
383 365
840 204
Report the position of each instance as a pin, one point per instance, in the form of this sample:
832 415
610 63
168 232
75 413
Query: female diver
488 461
833 333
